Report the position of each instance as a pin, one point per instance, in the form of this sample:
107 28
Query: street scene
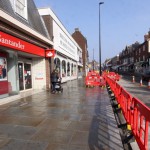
74 75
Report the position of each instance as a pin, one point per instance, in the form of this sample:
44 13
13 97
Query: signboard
50 53
20 45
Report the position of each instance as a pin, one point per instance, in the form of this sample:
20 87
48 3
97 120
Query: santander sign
20 45
50 53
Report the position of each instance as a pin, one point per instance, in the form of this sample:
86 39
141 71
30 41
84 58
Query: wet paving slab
78 119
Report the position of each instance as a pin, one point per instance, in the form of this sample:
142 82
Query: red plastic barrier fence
135 112
140 119
113 75
125 103
117 91
94 79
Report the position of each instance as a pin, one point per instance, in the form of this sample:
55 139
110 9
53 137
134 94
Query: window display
57 64
68 69
63 68
3 69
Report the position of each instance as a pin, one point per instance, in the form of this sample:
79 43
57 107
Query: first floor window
21 8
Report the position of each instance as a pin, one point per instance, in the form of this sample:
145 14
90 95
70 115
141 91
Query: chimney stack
76 29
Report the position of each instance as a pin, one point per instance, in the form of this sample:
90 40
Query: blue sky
123 22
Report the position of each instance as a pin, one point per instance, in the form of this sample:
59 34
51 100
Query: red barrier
94 79
117 91
113 75
135 112
125 103
140 122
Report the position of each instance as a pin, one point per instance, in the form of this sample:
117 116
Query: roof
34 19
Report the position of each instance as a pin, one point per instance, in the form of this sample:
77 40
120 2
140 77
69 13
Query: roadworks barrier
132 115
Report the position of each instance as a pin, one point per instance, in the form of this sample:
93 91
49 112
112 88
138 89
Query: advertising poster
3 69
3 75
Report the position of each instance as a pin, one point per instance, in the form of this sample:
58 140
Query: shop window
63 68
21 8
68 69
3 69
3 76
57 64
75 70
71 69
143 58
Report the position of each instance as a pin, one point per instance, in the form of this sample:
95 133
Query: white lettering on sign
67 44
12 43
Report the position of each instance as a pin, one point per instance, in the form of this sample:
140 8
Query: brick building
82 42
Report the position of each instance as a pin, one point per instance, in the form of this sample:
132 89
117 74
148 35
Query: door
27 76
25 80
21 76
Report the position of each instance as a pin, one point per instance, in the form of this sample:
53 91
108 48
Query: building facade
68 58
23 42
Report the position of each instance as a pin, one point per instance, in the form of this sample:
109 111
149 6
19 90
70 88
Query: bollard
133 79
149 84
141 82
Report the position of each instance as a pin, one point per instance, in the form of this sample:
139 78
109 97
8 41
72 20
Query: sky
122 22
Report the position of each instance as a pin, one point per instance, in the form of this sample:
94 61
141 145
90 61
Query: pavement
78 119
140 92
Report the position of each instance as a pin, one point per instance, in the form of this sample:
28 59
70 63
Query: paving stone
78 119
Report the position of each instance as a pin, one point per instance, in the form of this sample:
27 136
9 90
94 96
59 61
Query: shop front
18 60
66 68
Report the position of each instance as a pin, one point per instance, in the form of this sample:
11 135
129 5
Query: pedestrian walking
54 80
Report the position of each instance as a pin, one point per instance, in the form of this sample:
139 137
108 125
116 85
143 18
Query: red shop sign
50 53
20 45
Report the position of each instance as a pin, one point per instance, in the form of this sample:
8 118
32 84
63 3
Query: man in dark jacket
54 79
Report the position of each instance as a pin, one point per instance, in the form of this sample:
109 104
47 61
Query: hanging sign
50 53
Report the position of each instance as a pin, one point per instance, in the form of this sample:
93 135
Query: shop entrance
25 78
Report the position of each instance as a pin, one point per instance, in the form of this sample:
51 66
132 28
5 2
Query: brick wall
82 42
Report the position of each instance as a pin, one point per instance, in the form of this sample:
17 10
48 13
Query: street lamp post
93 59
100 40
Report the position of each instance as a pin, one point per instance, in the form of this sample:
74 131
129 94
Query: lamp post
93 59
100 40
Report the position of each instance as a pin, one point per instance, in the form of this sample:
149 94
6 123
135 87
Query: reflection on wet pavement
78 119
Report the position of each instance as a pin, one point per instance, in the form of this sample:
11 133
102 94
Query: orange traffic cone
133 79
149 84
141 82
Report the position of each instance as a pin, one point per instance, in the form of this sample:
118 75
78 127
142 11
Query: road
141 92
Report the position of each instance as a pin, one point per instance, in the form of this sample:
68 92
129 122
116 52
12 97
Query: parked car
146 76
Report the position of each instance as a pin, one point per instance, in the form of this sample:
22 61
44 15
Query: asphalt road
141 92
